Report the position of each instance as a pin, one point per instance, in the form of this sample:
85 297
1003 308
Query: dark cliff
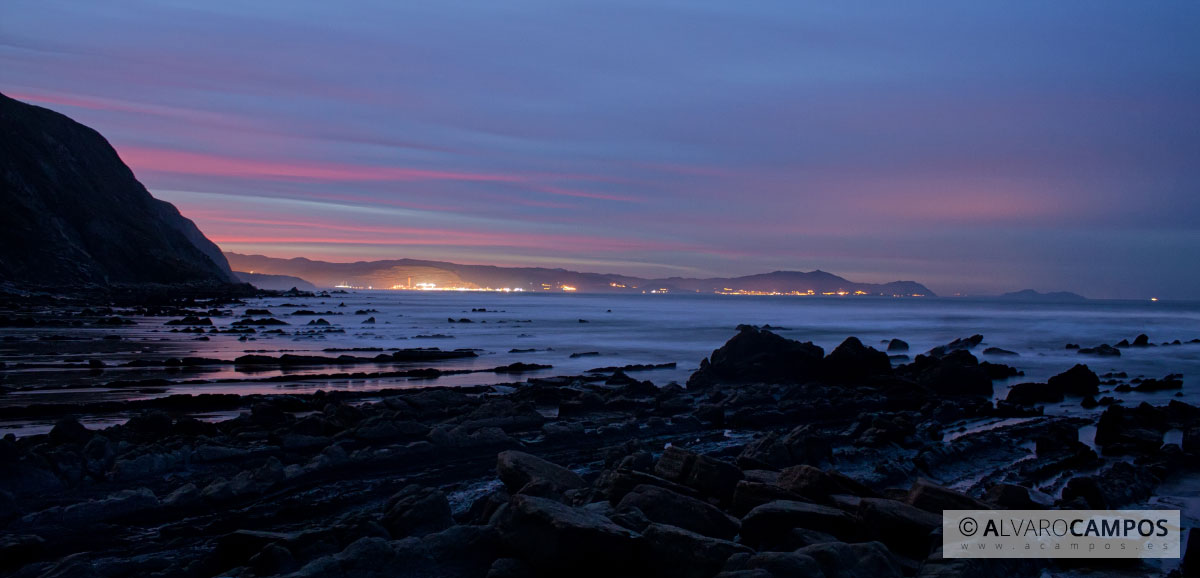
74 216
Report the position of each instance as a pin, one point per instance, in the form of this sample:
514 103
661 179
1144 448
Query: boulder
758 355
1014 497
865 560
766 523
1033 393
749 495
555 538
818 485
931 497
897 345
673 552
961 344
709 476
771 565
852 361
1079 380
667 507
903 528
416 511
954 373
518 469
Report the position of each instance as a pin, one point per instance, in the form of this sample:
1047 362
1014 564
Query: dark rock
674 552
749 495
771 565
1173 381
1142 340
852 361
75 215
69 431
903 528
1103 350
931 497
667 507
1000 352
897 345
766 523
1079 380
555 538
865 560
962 344
1014 497
1034 393
954 373
756 355
518 469
709 476
416 511
818 485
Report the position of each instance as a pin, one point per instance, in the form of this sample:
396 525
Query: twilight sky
975 147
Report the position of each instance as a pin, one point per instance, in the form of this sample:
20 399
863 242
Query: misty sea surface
600 330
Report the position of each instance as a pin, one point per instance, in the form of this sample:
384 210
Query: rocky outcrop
75 217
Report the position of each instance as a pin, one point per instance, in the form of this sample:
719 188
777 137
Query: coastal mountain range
411 273
74 216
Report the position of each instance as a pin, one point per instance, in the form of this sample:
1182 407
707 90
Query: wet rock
766 523
667 507
1103 350
1000 352
1131 430
1142 340
1034 393
954 373
416 511
1173 381
518 469
961 344
852 361
756 355
674 552
709 476
1079 380
897 345
555 538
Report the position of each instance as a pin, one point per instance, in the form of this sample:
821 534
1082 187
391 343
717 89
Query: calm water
623 329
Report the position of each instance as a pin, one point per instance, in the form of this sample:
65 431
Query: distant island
412 274
1031 295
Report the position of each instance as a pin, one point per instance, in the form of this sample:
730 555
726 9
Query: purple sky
976 147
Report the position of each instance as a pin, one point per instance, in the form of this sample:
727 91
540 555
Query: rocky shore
777 459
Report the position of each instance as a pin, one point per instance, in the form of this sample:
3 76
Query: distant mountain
1031 295
274 282
411 272
74 216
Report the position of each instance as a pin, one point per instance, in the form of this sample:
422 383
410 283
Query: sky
976 147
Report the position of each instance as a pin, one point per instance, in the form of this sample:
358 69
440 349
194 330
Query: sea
574 333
